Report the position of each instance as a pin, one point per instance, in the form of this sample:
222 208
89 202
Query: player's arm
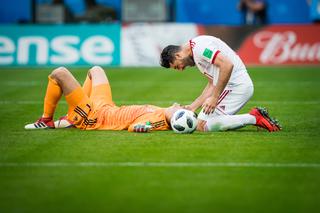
225 69
207 92
141 127
141 124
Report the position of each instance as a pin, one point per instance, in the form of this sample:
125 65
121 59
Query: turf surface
107 171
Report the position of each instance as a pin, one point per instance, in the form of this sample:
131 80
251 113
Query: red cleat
264 120
41 123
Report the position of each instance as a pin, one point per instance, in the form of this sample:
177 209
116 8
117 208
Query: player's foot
63 122
41 123
264 120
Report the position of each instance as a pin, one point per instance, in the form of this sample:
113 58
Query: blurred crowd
254 11
236 12
94 12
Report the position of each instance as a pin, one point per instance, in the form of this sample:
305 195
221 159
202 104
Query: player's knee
97 72
97 69
59 73
251 91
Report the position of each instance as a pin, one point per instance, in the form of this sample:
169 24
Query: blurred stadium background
132 33
102 171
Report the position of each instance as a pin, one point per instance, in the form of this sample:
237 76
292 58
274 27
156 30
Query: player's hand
187 107
190 107
209 105
142 128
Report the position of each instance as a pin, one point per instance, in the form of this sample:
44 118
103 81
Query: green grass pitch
107 171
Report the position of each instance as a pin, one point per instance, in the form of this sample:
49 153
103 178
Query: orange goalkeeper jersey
125 117
100 112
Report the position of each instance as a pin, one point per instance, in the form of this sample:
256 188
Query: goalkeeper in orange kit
91 106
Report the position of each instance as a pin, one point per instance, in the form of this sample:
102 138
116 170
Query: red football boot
264 120
41 123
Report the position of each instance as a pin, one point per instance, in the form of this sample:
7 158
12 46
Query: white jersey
205 50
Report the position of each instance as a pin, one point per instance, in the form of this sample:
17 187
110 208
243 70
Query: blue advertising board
208 12
212 12
59 45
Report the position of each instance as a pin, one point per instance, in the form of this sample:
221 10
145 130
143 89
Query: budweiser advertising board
277 45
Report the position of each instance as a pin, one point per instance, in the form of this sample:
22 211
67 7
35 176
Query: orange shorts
82 109
101 95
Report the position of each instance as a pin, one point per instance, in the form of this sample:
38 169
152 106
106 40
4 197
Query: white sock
229 122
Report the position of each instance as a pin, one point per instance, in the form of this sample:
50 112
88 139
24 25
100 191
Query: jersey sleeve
206 52
141 120
157 120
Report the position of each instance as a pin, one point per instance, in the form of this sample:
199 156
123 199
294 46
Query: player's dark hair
168 55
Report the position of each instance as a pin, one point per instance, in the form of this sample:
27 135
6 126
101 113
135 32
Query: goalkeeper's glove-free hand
142 127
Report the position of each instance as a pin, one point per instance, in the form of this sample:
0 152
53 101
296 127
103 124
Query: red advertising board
277 45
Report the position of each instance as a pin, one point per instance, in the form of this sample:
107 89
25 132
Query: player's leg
101 92
96 86
98 76
257 116
224 118
231 100
228 122
86 87
78 101
60 82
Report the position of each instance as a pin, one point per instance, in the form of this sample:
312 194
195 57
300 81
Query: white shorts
233 98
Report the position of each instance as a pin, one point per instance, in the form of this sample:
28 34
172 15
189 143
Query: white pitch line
163 164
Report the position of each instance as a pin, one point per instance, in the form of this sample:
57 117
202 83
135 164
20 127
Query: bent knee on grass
98 76
65 80
60 73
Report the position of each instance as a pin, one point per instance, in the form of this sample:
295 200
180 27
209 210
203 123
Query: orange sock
52 97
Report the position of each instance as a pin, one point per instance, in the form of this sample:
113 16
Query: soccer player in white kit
229 85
